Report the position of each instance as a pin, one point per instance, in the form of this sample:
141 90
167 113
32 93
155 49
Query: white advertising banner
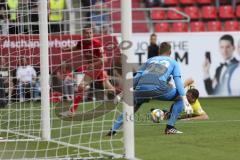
220 77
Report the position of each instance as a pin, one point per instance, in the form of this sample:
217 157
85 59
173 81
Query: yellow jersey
196 106
197 109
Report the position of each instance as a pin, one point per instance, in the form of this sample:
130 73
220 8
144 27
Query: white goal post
44 69
128 108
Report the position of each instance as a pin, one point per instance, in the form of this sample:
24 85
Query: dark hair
164 47
227 37
194 91
153 35
89 26
152 109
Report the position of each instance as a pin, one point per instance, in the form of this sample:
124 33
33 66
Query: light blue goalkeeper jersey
160 69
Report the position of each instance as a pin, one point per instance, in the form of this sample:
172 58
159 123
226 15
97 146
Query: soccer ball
157 115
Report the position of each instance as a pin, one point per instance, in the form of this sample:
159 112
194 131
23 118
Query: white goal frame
128 110
128 127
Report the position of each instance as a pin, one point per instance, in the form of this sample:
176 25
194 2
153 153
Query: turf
215 139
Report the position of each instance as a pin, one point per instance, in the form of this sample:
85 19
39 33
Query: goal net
72 118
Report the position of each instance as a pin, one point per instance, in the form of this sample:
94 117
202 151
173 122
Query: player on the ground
91 65
192 96
151 82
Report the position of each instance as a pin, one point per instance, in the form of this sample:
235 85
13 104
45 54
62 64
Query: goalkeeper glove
187 107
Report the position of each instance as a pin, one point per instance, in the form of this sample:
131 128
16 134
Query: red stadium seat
158 14
162 27
170 2
140 28
138 15
209 12
136 28
192 12
203 2
231 26
197 26
173 14
187 2
238 11
180 27
116 16
226 12
214 26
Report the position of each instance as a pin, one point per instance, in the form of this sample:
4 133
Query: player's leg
82 87
176 110
142 94
108 88
138 101
20 89
107 85
68 89
119 122
168 93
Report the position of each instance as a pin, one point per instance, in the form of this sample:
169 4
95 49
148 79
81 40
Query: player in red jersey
92 66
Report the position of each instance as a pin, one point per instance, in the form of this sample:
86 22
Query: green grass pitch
215 139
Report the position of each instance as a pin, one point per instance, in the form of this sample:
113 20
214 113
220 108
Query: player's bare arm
98 62
188 82
68 49
200 117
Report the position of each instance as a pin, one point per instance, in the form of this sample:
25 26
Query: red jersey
95 75
91 50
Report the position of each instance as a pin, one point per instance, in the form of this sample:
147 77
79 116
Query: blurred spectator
154 3
88 3
226 2
153 48
3 17
8 10
99 17
56 15
33 13
66 81
12 8
26 80
37 87
6 80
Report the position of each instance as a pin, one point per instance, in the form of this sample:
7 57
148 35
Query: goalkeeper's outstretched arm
181 91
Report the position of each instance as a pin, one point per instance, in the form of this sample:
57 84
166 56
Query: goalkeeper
151 82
